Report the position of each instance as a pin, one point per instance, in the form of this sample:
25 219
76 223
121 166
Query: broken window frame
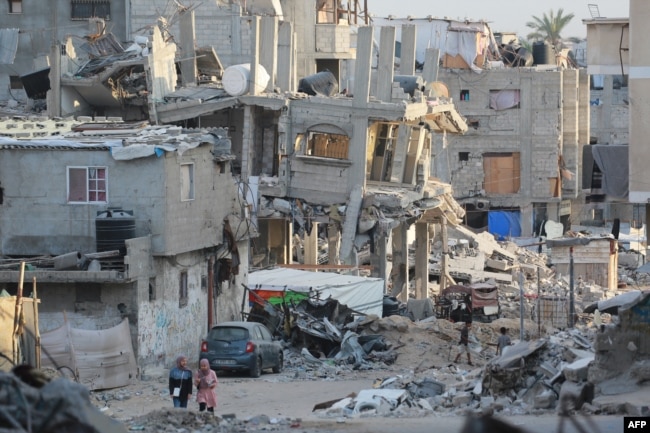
334 146
187 181
379 166
499 178
94 188
327 11
87 9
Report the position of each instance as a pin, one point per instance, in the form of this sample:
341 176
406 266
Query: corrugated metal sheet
8 46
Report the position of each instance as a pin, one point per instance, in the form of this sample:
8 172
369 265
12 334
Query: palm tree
548 27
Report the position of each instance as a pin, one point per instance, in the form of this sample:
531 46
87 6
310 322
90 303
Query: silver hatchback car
242 346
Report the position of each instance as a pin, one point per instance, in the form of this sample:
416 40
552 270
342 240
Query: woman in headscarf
206 383
180 382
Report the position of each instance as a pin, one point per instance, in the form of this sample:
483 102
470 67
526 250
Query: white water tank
236 79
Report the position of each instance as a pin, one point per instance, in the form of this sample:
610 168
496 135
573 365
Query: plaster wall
609 43
168 328
35 218
198 223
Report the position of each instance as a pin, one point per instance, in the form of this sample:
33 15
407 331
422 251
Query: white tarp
101 359
361 294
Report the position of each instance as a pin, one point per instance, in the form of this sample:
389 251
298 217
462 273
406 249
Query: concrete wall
35 218
506 130
195 224
40 24
541 129
606 38
222 27
610 113
639 87
167 328
320 180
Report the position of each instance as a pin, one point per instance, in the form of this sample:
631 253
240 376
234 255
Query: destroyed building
356 160
28 32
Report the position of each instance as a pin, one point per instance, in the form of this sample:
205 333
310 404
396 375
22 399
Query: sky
502 15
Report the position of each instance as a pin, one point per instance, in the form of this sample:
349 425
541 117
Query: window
187 182
326 10
504 99
328 145
87 185
501 173
182 290
15 6
85 9
463 156
382 155
464 95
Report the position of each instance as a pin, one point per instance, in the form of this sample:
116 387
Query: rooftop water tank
543 53
112 228
236 79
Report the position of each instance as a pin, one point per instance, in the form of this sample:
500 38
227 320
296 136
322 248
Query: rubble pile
31 401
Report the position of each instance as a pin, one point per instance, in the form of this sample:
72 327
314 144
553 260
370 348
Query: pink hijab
204 363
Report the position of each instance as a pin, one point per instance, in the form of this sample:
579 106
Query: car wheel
256 371
278 368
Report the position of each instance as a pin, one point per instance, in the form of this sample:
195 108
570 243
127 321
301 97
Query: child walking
206 382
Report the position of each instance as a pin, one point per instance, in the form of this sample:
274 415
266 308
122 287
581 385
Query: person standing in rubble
180 382
463 344
206 383
503 341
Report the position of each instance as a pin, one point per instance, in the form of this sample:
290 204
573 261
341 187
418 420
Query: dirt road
288 402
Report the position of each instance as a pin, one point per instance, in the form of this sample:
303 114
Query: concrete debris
30 401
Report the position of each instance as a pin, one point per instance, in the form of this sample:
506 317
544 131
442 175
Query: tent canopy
361 294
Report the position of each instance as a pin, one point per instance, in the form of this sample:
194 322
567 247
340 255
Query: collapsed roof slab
95 88
188 109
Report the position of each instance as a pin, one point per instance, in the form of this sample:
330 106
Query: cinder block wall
534 129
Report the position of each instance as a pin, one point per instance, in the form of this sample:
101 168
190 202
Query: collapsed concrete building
189 200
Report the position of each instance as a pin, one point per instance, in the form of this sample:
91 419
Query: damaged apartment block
336 145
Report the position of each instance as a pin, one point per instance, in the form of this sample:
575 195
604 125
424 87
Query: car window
256 333
266 335
228 333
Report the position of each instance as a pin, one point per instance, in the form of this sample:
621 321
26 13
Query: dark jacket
180 379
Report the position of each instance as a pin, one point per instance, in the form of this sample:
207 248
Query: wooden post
37 333
17 316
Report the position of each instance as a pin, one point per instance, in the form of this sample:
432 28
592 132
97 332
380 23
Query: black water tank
322 83
390 306
112 228
543 54
409 83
